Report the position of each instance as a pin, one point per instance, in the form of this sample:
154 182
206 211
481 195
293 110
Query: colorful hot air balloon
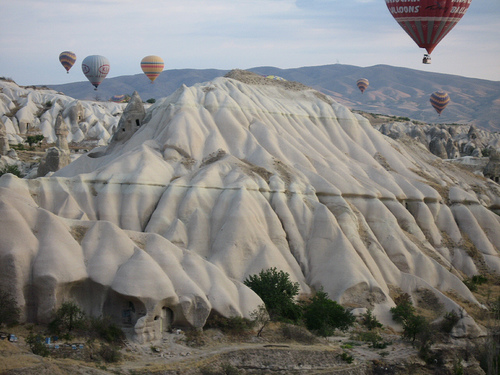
427 21
362 84
439 101
276 78
118 98
95 68
152 66
67 59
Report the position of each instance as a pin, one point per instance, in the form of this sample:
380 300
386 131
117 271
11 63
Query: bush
449 320
13 169
109 353
404 308
323 316
106 330
9 310
151 101
233 325
67 318
34 139
370 321
277 292
37 344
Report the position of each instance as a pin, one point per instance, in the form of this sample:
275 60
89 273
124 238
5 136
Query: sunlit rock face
27 111
224 179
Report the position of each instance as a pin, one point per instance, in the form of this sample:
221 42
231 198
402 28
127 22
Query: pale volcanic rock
224 179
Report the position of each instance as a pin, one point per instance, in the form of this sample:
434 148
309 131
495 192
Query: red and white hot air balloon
427 21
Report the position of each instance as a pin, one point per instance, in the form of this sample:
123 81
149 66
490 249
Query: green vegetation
12 169
37 344
9 310
151 101
370 321
68 318
32 139
277 292
474 281
323 316
319 313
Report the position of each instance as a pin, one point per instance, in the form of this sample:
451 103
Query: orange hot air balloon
67 59
152 66
362 84
439 100
427 21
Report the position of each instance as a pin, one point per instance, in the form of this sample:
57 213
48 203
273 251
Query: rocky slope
221 180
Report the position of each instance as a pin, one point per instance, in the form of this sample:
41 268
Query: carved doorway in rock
166 319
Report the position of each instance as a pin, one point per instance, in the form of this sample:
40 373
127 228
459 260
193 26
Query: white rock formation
227 178
25 110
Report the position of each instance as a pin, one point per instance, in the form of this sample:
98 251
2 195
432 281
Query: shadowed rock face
230 177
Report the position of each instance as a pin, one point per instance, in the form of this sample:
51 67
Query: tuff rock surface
221 180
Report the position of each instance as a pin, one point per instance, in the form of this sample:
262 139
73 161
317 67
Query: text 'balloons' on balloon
152 66
67 59
362 84
427 21
95 68
439 100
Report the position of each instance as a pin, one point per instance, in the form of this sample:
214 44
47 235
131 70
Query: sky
230 34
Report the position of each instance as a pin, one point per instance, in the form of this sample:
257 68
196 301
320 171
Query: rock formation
237 175
4 141
59 156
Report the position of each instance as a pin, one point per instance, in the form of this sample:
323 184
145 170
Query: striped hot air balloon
439 100
427 21
67 59
95 68
276 78
118 98
152 66
362 84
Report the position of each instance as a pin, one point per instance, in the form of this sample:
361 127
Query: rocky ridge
223 179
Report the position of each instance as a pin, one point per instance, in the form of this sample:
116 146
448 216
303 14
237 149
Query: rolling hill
393 90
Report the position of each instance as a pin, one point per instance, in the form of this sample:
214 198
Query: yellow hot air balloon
152 66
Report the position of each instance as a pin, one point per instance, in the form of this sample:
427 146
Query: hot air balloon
95 68
362 84
439 101
427 21
67 59
152 66
118 98
276 78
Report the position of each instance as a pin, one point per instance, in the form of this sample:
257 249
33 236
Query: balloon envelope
362 84
276 78
152 66
67 59
427 21
439 100
95 68
118 98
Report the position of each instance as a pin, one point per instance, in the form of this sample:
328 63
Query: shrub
109 353
9 310
404 308
13 169
370 321
67 318
233 325
323 316
449 320
346 357
106 329
151 101
34 139
37 344
278 293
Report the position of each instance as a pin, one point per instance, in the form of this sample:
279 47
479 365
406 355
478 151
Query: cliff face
223 179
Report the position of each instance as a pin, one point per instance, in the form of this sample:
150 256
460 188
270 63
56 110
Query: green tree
278 293
67 318
323 316
13 169
9 310
34 139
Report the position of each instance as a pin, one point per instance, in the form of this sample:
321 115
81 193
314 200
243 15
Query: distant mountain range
393 90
